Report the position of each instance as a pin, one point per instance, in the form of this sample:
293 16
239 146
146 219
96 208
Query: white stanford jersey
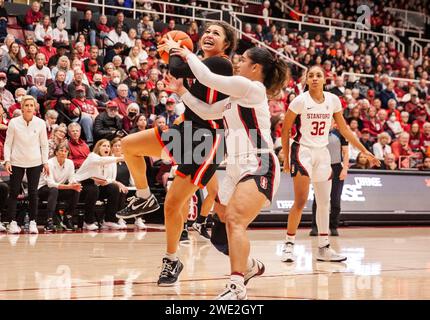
313 120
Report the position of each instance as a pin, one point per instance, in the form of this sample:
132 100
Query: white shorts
312 162
263 168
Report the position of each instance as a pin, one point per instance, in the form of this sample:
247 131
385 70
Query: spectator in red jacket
401 146
33 16
79 150
372 123
48 49
415 137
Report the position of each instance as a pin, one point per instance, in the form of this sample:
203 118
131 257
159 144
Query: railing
236 23
331 21
417 46
415 18
400 46
194 10
363 75
402 31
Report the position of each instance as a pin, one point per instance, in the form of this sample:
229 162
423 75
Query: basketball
177 36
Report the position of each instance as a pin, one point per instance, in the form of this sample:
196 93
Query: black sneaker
139 206
50 227
202 229
184 236
313 233
334 233
169 272
67 223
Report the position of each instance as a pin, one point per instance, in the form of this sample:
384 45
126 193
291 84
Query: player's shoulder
331 96
301 98
220 65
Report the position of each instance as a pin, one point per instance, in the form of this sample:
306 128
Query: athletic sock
291 238
323 240
143 193
171 256
201 219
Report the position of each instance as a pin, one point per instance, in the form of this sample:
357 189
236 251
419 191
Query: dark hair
275 70
118 45
306 88
230 35
62 145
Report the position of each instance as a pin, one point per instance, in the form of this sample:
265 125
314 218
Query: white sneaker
111 226
14 228
122 224
33 227
288 252
233 291
139 224
2 228
328 254
90 227
257 269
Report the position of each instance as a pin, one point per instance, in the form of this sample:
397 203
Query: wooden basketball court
383 263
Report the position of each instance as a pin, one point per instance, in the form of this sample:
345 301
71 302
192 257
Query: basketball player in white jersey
253 171
308 161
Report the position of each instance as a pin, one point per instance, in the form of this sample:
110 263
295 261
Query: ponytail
275 71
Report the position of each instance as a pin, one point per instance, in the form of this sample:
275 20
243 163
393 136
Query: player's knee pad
219 235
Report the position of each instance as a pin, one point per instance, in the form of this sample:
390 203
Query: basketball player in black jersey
217 42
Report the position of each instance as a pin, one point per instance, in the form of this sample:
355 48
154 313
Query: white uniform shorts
312 162
263 168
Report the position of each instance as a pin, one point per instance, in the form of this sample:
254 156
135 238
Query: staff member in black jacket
338 148
108 124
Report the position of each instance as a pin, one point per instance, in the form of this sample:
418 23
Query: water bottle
26 222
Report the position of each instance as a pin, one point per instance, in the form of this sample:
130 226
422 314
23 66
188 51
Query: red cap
365 130
3 75
170 100
47 37
112 104
80 88
93 63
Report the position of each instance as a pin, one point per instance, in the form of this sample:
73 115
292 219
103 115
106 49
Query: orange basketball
176 35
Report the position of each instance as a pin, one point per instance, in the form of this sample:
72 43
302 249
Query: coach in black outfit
338 148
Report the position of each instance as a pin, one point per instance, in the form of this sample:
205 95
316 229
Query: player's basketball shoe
257 269
202 229
169 272
328 254
233 291
139 206
288 252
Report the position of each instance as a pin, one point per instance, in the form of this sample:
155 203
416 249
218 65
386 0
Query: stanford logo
263 182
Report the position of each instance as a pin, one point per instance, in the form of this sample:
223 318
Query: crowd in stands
110 82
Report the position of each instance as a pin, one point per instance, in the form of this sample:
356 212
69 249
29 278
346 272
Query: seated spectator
123 99
94 56
128 120
415 137
102 28
108 124
131 81
169 114
33 16
43 29
57 97
88 27
116 50
382 147
63 64
60 184
39 76
81 51
117 35
373 124
132 38
133 58
362 162
120 21
389 162
154 76
51 117
57 137
426 164
404 117
12 58
401 147
93 70
19 93
141 124
426 137
8 41
112 87
30 57
87 109
6 97
145 24
117 63
79 150
162 100
97 176
100 94
78 80
365 139
59 35
48 48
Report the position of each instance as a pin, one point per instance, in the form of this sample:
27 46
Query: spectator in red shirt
123 99
372 123
79 150
128 121
88 110
404 121
401 146
48 50
426 137
93 70
33 16
415 137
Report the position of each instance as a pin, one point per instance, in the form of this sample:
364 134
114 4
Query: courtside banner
366 191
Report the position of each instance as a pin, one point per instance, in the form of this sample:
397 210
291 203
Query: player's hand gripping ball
173 39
